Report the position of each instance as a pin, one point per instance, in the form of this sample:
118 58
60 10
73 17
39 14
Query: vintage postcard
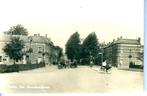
71 46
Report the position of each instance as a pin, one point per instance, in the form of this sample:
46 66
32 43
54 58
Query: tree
14 49
59 52
17 30
90 47
72 46
140 56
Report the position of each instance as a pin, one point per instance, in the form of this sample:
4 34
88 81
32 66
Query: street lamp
101 53
43 54
130 56
101 57
90 56
30 49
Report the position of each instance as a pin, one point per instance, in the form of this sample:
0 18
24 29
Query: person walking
91 63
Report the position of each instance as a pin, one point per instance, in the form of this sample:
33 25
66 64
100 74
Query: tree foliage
14 49
90 46
72 46
60 53
17 30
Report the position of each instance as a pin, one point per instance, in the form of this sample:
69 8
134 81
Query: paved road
81 79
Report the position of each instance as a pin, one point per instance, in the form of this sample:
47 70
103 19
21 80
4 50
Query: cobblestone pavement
76 80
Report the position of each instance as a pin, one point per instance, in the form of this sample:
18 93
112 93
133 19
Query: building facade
122 52
37 49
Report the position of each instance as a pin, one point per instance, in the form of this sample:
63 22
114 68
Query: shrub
19 67
12 68
132 65
3 68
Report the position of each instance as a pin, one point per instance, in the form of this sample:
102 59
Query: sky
59 19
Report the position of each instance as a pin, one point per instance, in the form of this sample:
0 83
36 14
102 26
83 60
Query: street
76 80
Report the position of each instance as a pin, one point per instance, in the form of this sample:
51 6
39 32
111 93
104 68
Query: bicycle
107 69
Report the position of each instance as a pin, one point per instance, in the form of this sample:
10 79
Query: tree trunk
14 62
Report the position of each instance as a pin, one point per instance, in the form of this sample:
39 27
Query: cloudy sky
59 19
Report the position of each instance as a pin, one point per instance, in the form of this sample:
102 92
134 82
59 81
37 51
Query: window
0 58
4 59
6 56
39 49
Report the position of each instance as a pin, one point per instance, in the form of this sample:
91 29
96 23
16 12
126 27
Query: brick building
122 52
37 48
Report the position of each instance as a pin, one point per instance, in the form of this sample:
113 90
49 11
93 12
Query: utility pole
101 53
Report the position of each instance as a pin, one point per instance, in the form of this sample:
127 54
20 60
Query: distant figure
74 64
108 66
104 64
67 63
103 67
91 63
120 64
62 63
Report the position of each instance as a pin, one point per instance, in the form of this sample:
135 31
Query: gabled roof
26 39
128 41
123 41
7 38
40 39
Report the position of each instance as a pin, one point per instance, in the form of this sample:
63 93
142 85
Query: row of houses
37 48
119 53
122 52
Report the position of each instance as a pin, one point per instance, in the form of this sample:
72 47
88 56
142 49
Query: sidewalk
97 68
47 68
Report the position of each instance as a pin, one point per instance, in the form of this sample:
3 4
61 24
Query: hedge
19 67
136 66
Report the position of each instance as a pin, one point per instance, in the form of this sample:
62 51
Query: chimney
35 34
38 34
120 37
113 40
46 35
139 39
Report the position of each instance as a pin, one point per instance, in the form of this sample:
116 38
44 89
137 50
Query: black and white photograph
71 46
